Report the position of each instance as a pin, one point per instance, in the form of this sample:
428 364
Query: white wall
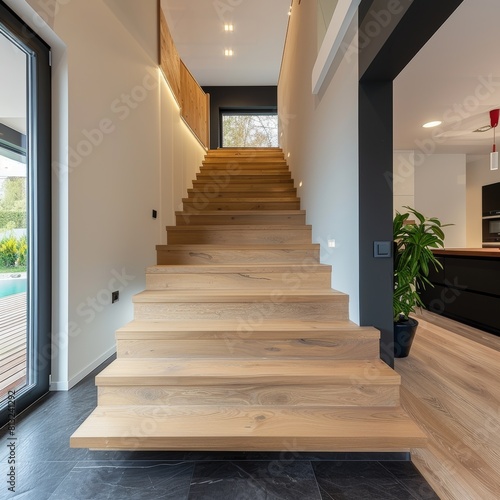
478 175
127 145
440 191
320 135
403 181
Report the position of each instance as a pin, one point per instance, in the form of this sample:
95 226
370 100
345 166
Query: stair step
242 204
300 382
333 339
241 305
266 217
247 172
262 428
227 371
220 276
232 192
237 182
209 188
250 176
222 329
237 152
242 164
236 254
235 234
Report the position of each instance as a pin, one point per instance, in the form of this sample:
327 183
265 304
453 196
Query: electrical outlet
331 244
115 296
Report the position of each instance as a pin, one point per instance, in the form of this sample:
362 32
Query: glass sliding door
25 217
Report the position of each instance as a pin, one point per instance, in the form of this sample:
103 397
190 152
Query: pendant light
494 154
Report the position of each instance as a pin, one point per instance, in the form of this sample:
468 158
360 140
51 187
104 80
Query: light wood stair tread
248 428
204 247
227 371
233 268
247 199
241 212
239 227
339 331
265 326
243 295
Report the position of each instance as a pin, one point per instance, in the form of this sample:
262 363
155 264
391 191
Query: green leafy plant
8 251
413 258
22 251
13 251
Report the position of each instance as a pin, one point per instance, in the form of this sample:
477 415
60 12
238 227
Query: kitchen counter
469 252
467 288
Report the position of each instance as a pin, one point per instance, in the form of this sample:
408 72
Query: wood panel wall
193 101
195 105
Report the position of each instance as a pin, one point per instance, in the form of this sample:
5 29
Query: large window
25 217
249 129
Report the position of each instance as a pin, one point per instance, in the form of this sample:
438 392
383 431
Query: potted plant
413 257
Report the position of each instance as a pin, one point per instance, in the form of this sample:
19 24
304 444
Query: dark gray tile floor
48 469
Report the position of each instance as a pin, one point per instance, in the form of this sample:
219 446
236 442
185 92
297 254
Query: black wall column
375 209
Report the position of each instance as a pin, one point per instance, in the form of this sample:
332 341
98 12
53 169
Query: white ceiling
454 78
197 27
12 86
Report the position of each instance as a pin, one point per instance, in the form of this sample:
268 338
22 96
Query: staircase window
249 129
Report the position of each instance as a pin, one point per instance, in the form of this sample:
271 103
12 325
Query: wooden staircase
238 341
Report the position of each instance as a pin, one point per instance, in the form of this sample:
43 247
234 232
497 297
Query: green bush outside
13 252
11 219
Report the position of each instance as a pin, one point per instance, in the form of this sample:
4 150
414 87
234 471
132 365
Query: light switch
382 249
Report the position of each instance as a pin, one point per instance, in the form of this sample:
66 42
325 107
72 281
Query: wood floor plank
448 387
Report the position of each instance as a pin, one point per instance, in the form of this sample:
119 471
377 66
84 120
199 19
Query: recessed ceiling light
228 52
228 27
432 124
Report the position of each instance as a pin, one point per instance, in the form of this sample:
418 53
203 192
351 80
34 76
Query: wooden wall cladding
170 61
194 103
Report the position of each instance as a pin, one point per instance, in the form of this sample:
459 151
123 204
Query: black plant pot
404 332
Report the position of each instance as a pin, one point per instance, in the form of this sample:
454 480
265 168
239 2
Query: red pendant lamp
494 113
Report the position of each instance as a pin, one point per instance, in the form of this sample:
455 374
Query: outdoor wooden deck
12 342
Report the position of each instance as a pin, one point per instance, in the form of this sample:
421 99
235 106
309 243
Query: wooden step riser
239 205
247 173
279 165
247 176
255 281
164 256
222 194
245 311
247 347
215 188
238 236
239 183
238 395
201 219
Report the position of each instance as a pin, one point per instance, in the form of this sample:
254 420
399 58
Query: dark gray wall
228 98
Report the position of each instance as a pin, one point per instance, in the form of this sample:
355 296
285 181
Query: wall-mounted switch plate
115 296
382 249
155 214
